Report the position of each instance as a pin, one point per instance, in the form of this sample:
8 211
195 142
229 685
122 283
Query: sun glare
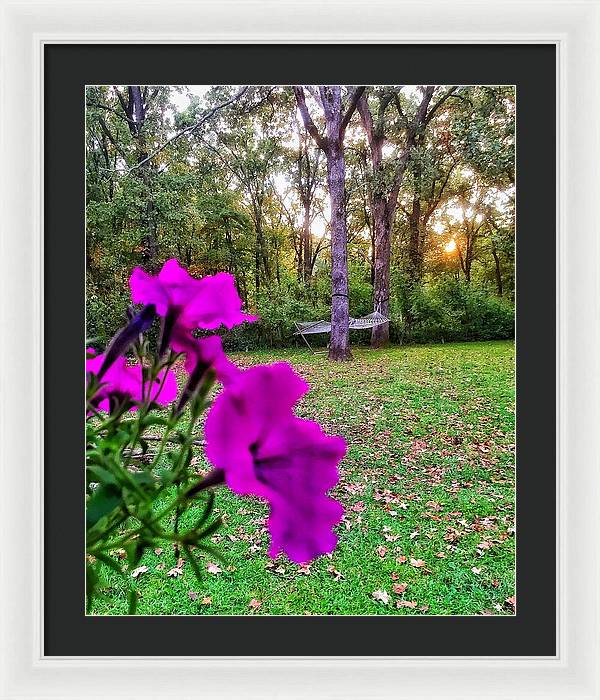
450 247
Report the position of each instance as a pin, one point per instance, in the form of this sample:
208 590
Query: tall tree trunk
380 335
333 147
339 346
384 200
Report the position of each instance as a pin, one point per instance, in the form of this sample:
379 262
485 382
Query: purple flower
122 381
265 450
202 354
206 303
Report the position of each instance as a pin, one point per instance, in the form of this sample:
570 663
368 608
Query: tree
337 119
307 179
387 181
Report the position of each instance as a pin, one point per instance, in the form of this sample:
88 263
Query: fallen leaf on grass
417 563
434 505
475 570
158 551
391 538
401 559
440 555
337 575
213 568
207 600
139 571
381 596
399 587
381 550
406 603
177 570
512 601
192 595
254 604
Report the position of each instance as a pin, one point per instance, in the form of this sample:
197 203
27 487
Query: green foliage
451 310
135 497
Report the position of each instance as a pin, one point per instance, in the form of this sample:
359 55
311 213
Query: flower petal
146 289
215 303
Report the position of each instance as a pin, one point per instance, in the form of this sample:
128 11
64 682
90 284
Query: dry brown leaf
336 574
418 563
399 587
139 571
381 596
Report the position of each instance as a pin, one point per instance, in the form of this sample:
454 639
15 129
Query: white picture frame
574 27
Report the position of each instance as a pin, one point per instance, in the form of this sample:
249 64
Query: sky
182 101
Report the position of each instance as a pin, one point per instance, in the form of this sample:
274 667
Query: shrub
453 311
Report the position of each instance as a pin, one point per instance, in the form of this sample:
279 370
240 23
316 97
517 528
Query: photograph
300 359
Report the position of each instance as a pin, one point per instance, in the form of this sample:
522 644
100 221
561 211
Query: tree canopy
398 199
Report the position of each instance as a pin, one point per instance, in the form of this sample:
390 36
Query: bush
278 309
453 311
105 313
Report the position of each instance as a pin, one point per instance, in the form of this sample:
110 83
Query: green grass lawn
427 486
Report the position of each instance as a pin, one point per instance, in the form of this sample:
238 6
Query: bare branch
440 102
351 107
190 129
307 119
111 138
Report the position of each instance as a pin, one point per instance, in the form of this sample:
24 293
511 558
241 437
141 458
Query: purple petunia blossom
206 303
204 353
265 450
123 381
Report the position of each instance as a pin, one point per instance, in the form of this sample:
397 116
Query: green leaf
103 501
134 552
102 476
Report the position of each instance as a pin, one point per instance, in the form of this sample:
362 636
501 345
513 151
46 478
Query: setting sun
450 247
